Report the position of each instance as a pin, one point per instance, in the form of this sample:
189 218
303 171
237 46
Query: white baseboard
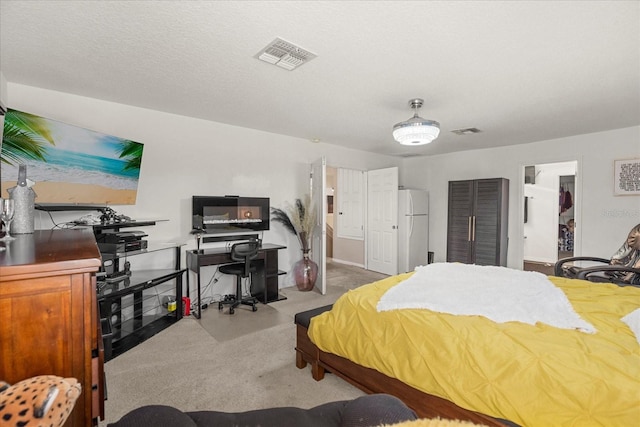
339 261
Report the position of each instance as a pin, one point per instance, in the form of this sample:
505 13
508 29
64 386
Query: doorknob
393 227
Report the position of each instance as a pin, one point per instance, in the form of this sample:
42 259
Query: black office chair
244 252
622 269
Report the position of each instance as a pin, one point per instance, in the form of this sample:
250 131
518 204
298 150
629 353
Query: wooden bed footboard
371 381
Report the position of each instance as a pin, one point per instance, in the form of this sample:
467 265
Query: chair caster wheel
231 311
219 306
254 308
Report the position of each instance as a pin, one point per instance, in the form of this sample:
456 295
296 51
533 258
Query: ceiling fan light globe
416 131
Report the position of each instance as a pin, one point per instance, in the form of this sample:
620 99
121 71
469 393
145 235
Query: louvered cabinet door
459 247
490 218
477 221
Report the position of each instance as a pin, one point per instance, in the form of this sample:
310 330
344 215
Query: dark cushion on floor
156 416
303 318
375 410
366 411
325 415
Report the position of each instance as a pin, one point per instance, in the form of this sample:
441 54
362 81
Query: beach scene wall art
69 164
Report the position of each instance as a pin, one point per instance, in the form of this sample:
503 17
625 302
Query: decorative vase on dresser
24 199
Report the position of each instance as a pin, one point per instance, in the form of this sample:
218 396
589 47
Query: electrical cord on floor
194 302
203 299
213 277
206 301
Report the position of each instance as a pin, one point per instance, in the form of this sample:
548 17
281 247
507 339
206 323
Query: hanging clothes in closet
566 200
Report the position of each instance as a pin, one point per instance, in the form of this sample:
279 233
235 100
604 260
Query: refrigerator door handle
410 226
410 203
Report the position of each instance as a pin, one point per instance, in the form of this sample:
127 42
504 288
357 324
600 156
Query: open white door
541 229
351 209
319 197
382 220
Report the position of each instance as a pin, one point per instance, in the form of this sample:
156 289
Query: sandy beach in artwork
64 192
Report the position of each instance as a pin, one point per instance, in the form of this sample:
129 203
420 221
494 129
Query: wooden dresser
48 314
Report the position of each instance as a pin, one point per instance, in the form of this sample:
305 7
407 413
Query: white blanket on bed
498 293
633 321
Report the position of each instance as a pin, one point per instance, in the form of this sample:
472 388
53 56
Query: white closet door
350 197
382 220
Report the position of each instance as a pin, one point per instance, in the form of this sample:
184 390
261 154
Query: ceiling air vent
466 131
285 55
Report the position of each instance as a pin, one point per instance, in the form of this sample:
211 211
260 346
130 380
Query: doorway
346 212
566 218
550 220
348 217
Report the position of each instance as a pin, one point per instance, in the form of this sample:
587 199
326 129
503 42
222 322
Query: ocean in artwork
78 168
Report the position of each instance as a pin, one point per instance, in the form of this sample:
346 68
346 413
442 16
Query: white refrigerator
413 229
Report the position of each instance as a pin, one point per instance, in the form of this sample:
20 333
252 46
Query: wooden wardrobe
477 226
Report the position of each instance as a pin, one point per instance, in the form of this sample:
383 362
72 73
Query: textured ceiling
521 71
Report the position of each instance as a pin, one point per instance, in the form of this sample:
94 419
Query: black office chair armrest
557 268
584 273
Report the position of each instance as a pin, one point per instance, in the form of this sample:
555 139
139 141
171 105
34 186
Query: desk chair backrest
622 269
245 252
628 256
629 252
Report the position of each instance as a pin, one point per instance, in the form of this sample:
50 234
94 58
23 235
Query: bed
470 367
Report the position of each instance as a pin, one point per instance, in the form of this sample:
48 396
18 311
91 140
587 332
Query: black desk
264 282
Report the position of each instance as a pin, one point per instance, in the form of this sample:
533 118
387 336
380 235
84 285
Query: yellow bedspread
532 375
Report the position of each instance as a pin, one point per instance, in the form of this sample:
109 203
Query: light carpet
229 366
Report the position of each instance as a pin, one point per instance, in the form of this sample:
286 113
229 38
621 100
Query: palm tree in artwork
25 136
132 153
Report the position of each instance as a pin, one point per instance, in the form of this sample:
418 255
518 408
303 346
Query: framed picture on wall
69 164
626 180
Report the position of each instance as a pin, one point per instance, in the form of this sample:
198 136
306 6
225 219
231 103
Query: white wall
3 91
185 156
605 218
